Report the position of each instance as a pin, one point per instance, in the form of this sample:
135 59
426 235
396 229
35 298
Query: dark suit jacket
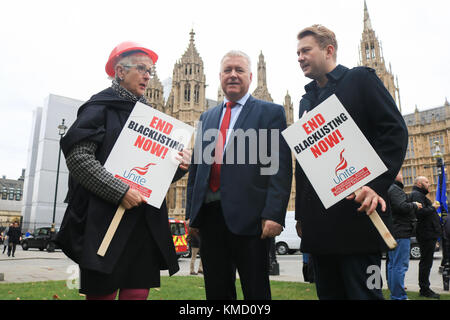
341 229
246 195
428 224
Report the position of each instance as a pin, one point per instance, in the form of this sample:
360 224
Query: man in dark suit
239 185
345 245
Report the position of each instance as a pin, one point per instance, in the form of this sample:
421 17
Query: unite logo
140 172
143 170
346 172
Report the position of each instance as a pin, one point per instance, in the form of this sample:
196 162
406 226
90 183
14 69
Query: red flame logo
342 165
142 170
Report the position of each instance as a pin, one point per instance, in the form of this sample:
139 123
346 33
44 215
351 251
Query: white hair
129 59
237 53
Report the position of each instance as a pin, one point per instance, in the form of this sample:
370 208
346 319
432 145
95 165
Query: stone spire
186 102
261 92
187 99
371 55
288 109
367 23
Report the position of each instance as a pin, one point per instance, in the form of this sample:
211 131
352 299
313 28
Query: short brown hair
322 35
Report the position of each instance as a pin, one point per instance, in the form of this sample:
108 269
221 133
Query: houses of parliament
187 101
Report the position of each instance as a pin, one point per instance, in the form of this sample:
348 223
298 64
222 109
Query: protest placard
144 157
334 154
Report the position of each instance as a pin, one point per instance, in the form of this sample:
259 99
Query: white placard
144 154
333 152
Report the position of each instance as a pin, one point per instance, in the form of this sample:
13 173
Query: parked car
288 241
41 239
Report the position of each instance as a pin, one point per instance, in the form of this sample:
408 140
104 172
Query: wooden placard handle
111 231
381 227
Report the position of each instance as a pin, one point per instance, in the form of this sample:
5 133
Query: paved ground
34 265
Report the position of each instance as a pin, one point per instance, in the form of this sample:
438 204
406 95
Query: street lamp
438 156
62 131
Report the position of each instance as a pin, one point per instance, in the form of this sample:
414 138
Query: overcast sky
61 47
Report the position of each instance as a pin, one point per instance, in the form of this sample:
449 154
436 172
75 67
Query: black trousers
12 247
427 248
223 252
348 277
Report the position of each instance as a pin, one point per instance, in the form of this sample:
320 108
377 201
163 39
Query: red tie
214 179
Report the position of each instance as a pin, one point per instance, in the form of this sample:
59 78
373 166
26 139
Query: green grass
174 288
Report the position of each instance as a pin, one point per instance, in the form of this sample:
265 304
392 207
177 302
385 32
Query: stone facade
11 200
186 102
424 129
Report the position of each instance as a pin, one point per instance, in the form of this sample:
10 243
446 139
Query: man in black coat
14 236
345 245
403 221
428 231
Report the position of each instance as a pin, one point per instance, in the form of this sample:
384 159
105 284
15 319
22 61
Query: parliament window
409 175
187 92
196 93
410 149
372 48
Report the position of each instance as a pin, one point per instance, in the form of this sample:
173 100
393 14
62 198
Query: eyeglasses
141 68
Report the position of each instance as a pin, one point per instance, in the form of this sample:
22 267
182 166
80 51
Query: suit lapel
244 112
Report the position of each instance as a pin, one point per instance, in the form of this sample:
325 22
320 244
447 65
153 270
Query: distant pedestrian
404 218
5 238
194 243
428 232
14 237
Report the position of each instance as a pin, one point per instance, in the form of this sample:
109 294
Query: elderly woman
142 244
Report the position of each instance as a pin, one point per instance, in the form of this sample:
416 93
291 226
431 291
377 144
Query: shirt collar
333 76
240 102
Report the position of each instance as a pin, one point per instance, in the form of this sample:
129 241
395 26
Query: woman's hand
185 159
132 199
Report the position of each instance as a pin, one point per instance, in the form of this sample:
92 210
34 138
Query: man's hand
270 229
368 199
185 159
132 199
418 204
436 205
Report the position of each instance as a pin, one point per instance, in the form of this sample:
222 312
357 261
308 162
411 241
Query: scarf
127 95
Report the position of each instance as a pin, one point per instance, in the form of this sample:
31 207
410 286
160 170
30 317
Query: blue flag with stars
441 192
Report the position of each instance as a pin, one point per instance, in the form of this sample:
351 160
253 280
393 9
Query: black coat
341 229
13 235
403 212
87 216
428 224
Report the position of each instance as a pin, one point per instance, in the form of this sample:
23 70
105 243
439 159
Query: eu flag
441 192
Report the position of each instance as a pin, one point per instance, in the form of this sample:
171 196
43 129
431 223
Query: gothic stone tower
289 110
154 93
371 55
261 92
186 102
